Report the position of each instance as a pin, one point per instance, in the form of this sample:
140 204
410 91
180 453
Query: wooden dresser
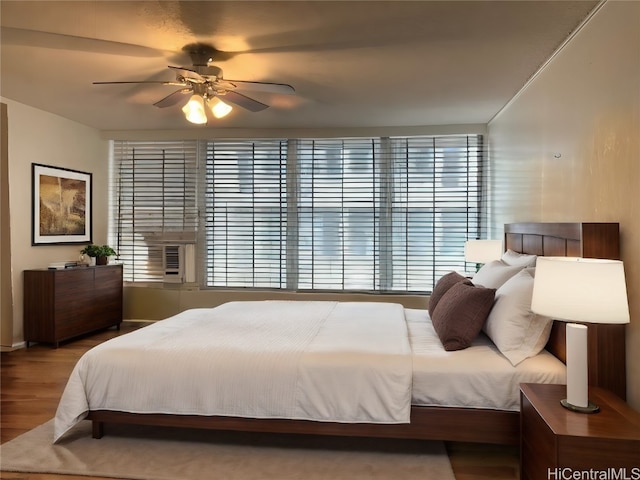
62 304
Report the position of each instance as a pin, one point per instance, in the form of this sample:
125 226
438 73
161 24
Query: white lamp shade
194 110
218 107
581 289
482 251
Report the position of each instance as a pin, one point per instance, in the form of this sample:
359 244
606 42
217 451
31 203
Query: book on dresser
60 304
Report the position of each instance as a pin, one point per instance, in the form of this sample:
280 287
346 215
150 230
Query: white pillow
494 274
519 259
514 328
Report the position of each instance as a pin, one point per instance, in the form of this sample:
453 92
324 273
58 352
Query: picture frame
61 205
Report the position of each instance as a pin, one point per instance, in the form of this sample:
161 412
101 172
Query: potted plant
100 253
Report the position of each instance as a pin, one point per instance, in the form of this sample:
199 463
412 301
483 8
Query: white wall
35 136
583 107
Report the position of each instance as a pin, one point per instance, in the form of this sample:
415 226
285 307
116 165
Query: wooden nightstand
553 438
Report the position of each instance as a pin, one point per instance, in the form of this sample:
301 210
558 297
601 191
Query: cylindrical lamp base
590 408
577 375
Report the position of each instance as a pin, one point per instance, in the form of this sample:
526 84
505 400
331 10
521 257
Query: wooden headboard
606 342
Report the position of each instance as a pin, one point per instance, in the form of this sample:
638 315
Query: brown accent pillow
442 286
461 313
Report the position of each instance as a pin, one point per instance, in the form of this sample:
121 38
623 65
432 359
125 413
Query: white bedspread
324 361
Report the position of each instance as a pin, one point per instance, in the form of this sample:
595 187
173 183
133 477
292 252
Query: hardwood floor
33 379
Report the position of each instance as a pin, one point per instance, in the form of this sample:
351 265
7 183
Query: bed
413 411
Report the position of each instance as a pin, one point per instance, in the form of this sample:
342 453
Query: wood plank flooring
33 379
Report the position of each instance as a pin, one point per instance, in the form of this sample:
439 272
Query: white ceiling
352 63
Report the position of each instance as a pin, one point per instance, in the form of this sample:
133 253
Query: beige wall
567 148
35 136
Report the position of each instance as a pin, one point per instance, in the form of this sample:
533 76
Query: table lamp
585 290
482 251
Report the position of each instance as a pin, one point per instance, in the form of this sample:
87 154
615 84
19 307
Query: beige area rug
154 453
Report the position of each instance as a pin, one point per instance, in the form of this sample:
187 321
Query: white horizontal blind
389 214
246 213
435 207
338 214
373 214
153 191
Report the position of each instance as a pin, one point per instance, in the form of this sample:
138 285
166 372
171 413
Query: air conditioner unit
179 263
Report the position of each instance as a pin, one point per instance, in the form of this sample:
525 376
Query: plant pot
102 260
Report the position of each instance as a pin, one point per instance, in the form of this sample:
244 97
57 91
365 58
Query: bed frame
606 363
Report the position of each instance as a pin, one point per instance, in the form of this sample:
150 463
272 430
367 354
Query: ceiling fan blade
177 84
244 101
189 74
172 98
280 88
37 38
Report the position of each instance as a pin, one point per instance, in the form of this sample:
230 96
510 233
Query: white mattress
270 359
476 377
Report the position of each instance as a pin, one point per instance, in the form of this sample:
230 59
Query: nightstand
555 442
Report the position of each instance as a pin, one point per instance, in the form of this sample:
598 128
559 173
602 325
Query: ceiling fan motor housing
209 71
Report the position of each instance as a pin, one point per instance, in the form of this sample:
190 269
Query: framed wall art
61 205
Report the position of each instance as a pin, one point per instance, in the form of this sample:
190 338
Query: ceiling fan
206 87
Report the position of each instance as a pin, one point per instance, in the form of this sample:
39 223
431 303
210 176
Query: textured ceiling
352 64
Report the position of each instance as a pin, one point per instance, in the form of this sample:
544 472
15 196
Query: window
153 202
435 207
338 200
372 214
245 220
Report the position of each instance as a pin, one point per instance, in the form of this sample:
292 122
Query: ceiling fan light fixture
218 107
194 110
